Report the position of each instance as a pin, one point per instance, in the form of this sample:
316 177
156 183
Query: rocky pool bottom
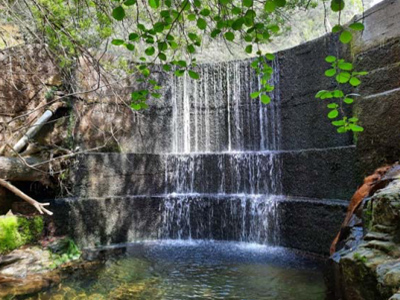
180 270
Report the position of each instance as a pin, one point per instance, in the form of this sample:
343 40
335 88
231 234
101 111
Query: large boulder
368 264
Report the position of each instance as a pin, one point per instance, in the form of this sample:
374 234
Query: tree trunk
15 169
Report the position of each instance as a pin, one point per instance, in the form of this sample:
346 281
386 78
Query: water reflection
197 270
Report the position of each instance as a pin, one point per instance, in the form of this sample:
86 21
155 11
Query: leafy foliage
67 251
18 231
171 33
344 74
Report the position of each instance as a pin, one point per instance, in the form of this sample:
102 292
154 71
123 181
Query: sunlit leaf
118 13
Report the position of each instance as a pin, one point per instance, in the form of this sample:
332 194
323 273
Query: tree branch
39 206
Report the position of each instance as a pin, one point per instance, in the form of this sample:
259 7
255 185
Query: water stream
224 148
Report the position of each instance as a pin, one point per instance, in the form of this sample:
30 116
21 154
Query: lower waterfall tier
312 173
274 220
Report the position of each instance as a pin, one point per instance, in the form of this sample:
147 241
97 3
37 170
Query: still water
183 270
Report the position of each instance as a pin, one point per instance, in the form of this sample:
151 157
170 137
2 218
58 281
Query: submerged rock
367 267
26 271
31 269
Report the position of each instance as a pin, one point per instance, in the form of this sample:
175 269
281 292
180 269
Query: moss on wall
18 231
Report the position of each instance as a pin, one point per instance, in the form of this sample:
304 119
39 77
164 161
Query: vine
344 74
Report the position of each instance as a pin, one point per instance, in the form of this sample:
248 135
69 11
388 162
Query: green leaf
346 37
348 100
201 23
269 56
338 123
354 81
346 66
193 36
159 27
136 106
156 95
343 77
162 56
353 119
193 74
230 36
320 93
118 13
249 49
130 47
248 3
338 94
236 11
191 49
215 32
265 99
150 51
162 46
356 128
357 26
130 2
154 4
117 42
333 114
330 59
146 72
173 45
133 37
337 28
205 12
332 105
327 95
337 5
270 6
342 129
280 3
141 27
179 73
181 63
254 95
167 68
237 25
191 17
330 72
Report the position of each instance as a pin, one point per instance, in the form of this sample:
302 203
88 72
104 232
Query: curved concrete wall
312 167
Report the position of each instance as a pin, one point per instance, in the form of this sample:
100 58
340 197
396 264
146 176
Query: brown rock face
26 271
368 266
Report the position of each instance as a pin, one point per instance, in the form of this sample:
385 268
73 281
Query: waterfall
223 157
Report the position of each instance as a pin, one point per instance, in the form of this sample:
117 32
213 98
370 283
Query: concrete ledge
316 173
299 223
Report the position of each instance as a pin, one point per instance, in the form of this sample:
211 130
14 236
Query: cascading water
223 157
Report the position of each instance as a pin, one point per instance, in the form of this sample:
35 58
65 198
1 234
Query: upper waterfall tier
216 113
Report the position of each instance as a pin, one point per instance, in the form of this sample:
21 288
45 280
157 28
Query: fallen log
21 169
18 169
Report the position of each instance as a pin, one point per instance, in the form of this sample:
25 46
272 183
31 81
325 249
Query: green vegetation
66 251
344 73
359 257
172 33
18 231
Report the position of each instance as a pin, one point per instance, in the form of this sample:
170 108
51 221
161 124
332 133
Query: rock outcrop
368 265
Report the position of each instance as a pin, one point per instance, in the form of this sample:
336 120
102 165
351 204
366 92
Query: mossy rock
17 231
